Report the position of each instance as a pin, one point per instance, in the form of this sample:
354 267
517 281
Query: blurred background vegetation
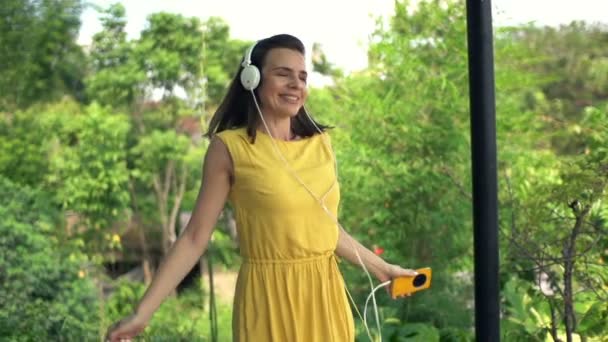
101 151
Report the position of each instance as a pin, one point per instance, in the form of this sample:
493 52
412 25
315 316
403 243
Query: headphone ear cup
250 77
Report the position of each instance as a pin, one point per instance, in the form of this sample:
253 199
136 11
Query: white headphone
250 75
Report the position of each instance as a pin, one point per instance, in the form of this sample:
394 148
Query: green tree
546 157
221 58
24 147
47 290
169 164
405 151
572 61
320 63
89 171
40 58
170 50
116 77
558 232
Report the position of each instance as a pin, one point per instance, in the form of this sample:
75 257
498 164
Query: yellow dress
289 287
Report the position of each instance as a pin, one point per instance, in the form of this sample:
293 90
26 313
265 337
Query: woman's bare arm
382 270
185 252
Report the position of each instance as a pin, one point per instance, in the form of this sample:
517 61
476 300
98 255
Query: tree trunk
171 184
179 188
162 199
553 322
569 318
202 266
145 264
212 305
231 225
569 254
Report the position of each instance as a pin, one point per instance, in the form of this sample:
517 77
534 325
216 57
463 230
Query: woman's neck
280 129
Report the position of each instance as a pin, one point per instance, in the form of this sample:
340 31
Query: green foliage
173 52
166 164
320 63
555 226
117 78
396 330
162 154
47 293
190 307
528 316
80 158
593 321
23 147
402 140
403 146
223 249
156 150
125 296
170 50
109 42
40 58
404 158
572 61
89 170
221 59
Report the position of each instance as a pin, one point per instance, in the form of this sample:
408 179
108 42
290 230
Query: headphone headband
247 56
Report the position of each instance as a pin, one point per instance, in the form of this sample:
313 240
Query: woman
276 166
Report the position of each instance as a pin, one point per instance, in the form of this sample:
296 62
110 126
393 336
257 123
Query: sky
342 27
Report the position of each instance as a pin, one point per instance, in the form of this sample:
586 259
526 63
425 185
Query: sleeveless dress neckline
287 142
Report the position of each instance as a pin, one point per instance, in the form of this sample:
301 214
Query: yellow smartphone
410 284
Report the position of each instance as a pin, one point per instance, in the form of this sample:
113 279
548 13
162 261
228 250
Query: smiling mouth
290 98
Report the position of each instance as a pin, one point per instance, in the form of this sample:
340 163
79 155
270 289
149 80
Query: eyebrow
289 69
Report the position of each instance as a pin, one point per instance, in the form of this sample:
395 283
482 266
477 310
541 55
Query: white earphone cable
371 295
321 202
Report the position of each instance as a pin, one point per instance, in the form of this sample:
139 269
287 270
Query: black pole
484 165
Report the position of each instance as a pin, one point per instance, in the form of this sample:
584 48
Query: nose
297 83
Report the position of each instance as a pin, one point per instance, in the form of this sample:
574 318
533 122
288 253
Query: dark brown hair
237 109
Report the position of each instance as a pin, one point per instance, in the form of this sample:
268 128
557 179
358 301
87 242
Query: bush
46 294
181 318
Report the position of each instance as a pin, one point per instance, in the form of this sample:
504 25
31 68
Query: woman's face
283 90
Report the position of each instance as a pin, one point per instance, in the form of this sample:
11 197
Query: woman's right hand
126 329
